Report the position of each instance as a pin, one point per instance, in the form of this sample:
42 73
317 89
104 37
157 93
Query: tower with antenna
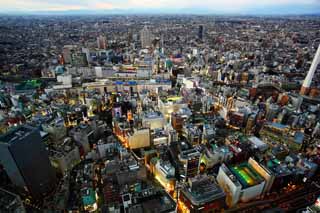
305 89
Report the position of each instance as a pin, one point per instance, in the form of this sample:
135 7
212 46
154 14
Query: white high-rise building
305 89
87 52
146 37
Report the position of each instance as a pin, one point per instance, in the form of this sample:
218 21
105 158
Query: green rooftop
29 85
246 175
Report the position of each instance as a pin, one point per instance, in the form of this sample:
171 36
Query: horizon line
148 12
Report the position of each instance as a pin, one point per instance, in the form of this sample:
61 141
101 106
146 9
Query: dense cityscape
159 113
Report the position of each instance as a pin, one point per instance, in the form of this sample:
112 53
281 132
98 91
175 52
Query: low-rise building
164 172
153 120
65 156
56 129
10 202
139 138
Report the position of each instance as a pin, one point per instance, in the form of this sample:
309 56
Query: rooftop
9 202
16 134
190 153
202 189
246 175
88 196
153 115
277 168
162 203
277 125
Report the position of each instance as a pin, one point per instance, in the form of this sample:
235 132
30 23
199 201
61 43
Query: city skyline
244 7
169 106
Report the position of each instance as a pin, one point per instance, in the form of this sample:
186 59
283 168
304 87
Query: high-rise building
79 59
236 119
66 55
272 111
146 37
177 121
86 51
250 123
102 42
191 159
305 89
200 32
26 161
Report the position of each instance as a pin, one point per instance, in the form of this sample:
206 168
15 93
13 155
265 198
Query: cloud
215 5
34 5
103 6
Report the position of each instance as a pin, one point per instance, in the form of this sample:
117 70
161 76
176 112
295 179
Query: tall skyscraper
146 37
86 51
200 32
102 42
66 55
305 89
26 161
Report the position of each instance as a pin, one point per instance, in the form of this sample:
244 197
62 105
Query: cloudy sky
227 6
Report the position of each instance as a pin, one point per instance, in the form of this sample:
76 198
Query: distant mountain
114 11
284 10
270 10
